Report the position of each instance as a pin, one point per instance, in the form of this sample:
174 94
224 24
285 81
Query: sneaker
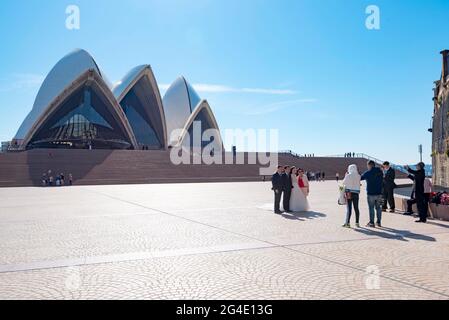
408 213
420 221
346 225
379 224
392 210
370 225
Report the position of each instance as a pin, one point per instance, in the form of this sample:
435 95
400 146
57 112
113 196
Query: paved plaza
209 241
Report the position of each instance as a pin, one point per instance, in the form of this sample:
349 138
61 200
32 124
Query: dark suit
287 187
421 202
388 188
277 187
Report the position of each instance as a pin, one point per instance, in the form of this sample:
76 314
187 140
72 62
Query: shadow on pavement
402 235
303 215
438 224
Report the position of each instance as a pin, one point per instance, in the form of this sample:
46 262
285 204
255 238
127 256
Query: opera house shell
77 108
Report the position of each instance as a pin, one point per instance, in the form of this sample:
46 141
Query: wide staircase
98 167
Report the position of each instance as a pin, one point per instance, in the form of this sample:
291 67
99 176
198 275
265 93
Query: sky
311 69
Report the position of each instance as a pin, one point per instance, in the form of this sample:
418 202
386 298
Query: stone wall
440 128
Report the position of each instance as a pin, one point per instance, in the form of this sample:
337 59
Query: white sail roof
127 80
63 73
179 101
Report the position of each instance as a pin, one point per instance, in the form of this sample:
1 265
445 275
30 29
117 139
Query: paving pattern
209 241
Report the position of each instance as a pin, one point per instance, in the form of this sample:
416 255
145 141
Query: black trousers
410 204
412 201
422 202
353 202
277 200
286 201
388 198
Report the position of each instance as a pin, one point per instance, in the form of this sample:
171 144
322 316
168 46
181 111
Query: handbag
342 198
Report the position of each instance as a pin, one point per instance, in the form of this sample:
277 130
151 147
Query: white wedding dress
298 201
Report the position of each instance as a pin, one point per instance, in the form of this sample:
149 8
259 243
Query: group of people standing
48 180
292 186
316 176
350 155
380 185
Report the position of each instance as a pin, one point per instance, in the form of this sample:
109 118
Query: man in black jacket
388 187
419 175
288 186
278 188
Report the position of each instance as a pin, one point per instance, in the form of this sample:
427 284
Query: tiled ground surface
209 241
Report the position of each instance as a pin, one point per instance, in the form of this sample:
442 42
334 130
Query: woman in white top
351 183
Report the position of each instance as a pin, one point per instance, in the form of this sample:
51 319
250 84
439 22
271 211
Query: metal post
420 152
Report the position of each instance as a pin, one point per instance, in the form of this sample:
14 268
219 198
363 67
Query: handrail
376 160
354 155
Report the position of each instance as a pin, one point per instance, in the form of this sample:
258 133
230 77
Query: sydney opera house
77 108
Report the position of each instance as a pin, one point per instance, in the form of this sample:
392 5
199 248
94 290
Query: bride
300 191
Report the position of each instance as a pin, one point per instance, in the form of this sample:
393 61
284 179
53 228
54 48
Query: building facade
440 126
77 108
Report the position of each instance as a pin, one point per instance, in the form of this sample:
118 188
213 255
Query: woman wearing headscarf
351 183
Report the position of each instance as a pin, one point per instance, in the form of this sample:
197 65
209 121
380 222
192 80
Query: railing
376 160
352 155
304 155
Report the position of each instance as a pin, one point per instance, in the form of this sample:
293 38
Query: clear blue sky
327 82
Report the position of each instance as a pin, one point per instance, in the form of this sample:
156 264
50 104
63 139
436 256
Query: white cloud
217 88
21 81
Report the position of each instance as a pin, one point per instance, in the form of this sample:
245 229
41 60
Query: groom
277 187
281 183
288 186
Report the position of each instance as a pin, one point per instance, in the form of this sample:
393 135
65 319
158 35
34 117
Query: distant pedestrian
70 179
323 176
337 177
44 179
